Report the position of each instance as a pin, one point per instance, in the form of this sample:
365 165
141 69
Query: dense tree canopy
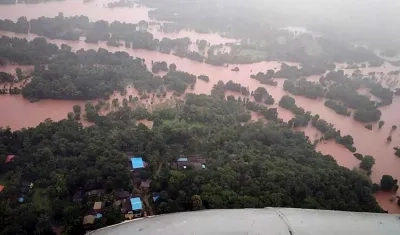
261 94
265 78
367 115
305 88
388 183
367 163
337 107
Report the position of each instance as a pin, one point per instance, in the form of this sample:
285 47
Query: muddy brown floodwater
18 112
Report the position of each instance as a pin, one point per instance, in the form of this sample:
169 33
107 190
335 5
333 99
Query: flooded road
19 113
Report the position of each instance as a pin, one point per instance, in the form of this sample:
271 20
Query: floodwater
95 10
16 109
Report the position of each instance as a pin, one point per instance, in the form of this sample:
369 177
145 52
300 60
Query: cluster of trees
73 82
308 67
302 117
219 89
367 115
366 110
72 28
26 53
11 91
243 163
77 160
388 184
86 74
261 94
330 132
203 77
59 27
120 3
305 88
20 26
159 66
289 72
265 78
202 44
349 97
367 163
385 94
397 151
179 81
237 87
289 103
78 75
337 107
6 77
368 126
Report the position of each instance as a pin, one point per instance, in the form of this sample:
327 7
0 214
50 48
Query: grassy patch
40 200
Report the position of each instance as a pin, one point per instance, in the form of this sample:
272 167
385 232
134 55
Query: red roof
10 158
1 187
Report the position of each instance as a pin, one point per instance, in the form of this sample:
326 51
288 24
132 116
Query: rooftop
89 219
145 184
122 194
10 158
136 203
137 162
1 187
182 159
97 205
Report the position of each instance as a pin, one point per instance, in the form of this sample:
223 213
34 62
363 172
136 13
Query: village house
137 207
9 158
194 161
88 220
97 206
96 192
145 183
26 186
122 195
137 163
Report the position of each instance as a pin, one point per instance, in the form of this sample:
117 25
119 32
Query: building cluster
134 204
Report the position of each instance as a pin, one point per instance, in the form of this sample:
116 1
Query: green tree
381 123
70 115
19 74
77 109
368 126
388 183
367 163
197 203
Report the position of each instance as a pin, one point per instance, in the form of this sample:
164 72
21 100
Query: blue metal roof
137 162
98 215
155 198
136 203
182 159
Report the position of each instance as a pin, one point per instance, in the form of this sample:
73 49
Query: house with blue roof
137 162
137 208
